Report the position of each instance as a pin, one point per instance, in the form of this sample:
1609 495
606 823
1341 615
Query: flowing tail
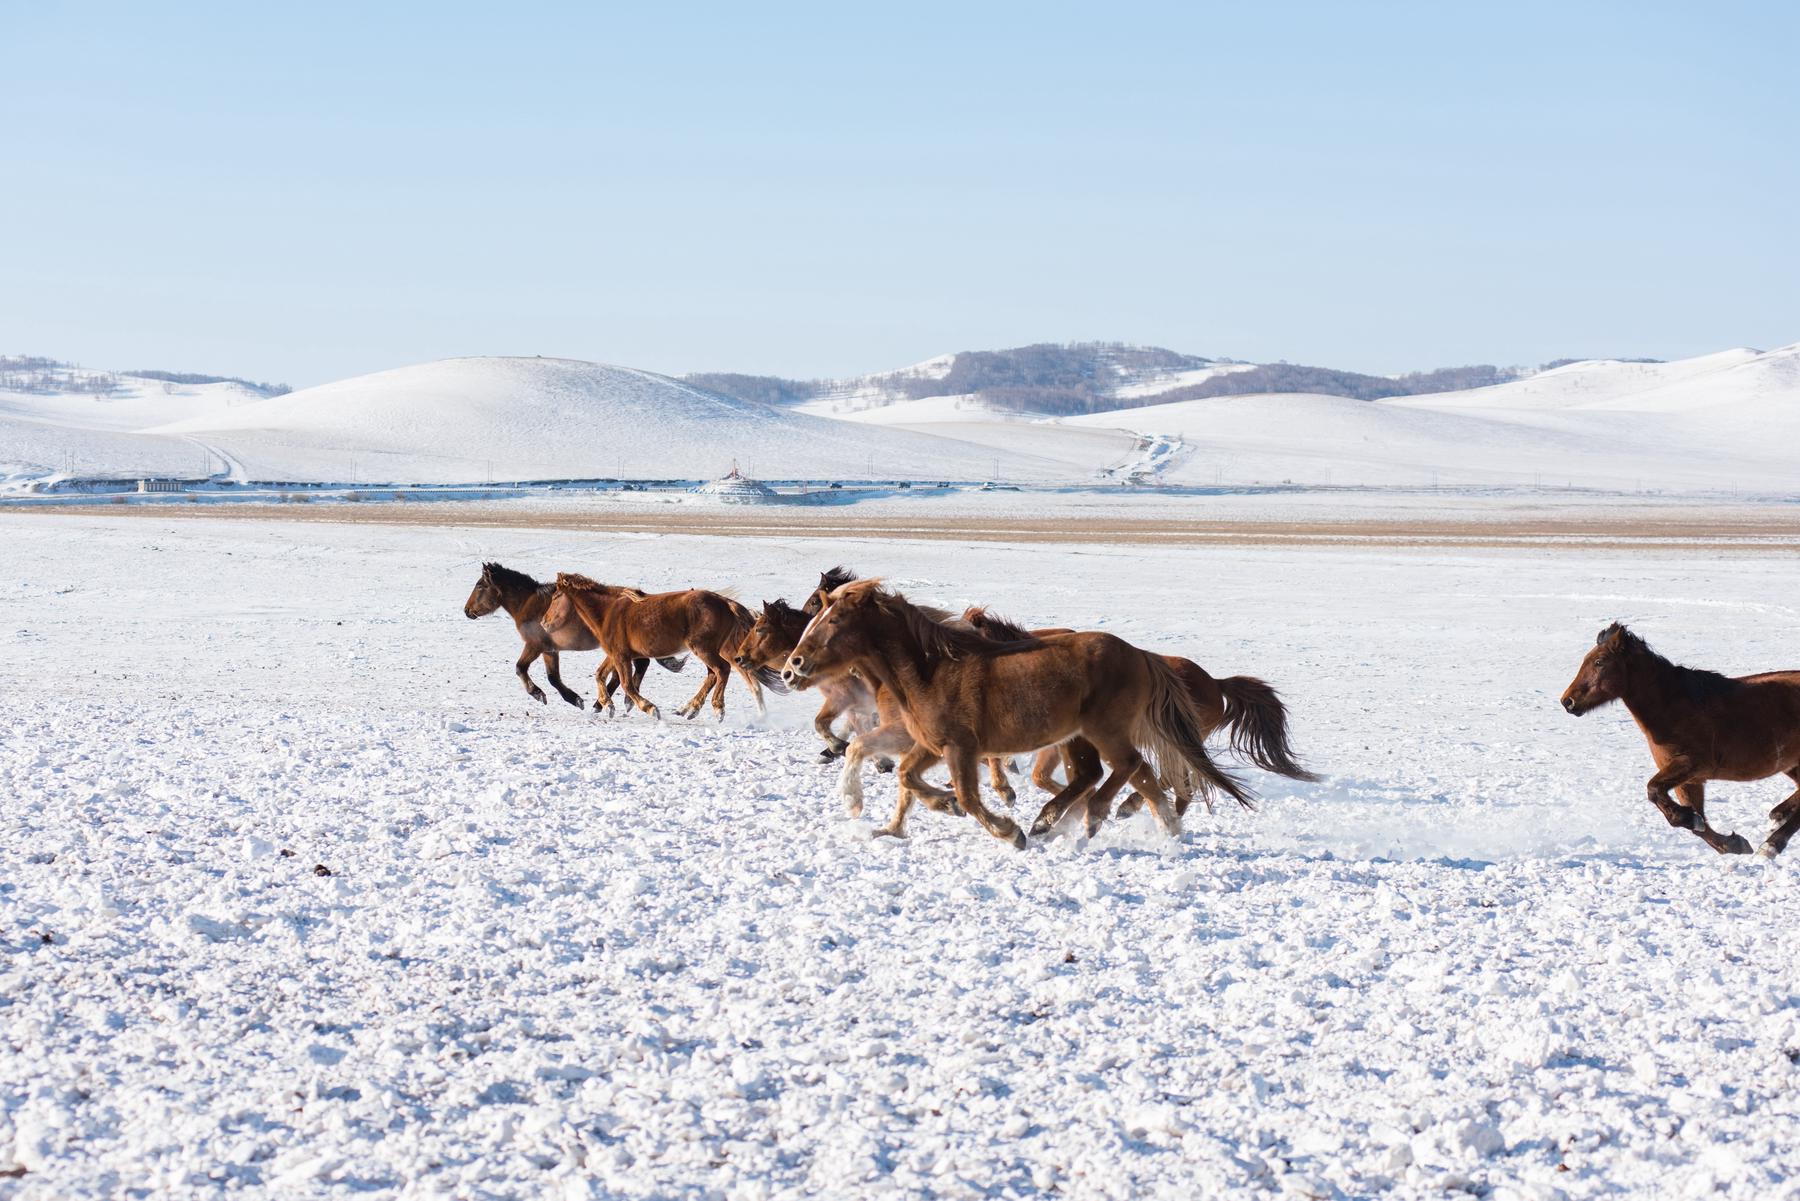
1173 730
1258 723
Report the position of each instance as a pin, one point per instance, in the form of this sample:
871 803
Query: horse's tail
742 619
673 662
1173 730
1257 721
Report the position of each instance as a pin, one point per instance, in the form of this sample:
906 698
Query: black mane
836 578
508 580
1697 682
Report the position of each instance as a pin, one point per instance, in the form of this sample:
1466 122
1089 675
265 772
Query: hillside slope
475 419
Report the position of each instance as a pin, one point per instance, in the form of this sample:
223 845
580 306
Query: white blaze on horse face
817 618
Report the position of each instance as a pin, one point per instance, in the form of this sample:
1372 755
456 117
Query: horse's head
771 638
486 596
829 582
1602 675
836 637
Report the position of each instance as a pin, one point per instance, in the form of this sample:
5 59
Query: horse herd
915 686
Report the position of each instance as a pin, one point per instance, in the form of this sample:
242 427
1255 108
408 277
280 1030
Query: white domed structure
733 488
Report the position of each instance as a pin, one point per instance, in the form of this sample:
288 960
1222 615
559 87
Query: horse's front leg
1693 796
622 669
553 669
883 740
965 776
523 668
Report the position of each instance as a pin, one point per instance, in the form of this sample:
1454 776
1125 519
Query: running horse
630 624
1246 708
527 602
964 697
1700 726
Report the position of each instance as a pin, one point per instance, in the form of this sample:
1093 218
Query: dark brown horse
1245 707
963 697
772 638
630 624
1700 726
526 602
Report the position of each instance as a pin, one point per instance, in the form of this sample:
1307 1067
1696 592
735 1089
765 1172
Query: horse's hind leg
523 667
1786 817
715 680
997 773
1043 769
1083 767
553 669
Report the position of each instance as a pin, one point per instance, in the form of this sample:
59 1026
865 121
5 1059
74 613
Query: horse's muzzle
1571 705
794 674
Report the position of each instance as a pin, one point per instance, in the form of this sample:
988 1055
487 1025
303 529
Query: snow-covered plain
563 957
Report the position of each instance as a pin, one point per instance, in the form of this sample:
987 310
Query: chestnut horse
1700 726
526 602
1245 707
963 697
630 624
772 638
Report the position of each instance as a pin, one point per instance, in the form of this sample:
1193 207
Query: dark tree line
1083 377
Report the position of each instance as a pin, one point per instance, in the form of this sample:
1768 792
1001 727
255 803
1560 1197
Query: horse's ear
1613 633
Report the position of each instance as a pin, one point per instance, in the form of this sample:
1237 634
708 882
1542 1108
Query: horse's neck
1655 698
900 662
527 604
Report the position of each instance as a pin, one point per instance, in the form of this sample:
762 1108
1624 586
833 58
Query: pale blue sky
314 190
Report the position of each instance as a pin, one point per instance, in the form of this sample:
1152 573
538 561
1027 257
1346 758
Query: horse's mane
938 633
508 580
782 613
836 578
995 626
1697 682
580 583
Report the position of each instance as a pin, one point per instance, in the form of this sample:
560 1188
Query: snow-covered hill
1720 421
459 420
1726 420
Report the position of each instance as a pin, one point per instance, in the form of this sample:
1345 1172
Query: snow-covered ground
562 957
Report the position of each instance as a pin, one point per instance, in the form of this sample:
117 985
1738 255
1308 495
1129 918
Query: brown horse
772 638
526 601
1700 726
629 624
1248 709
963 697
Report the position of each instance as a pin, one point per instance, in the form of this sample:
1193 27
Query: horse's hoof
1094 824
828 755
1767 851
854 808
539 698
575 699
1017 839
887 832
1042 826
1737 844
884 766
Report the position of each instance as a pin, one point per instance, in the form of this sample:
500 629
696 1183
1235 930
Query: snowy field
557 956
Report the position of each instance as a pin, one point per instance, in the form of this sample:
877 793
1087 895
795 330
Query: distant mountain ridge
1071 379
